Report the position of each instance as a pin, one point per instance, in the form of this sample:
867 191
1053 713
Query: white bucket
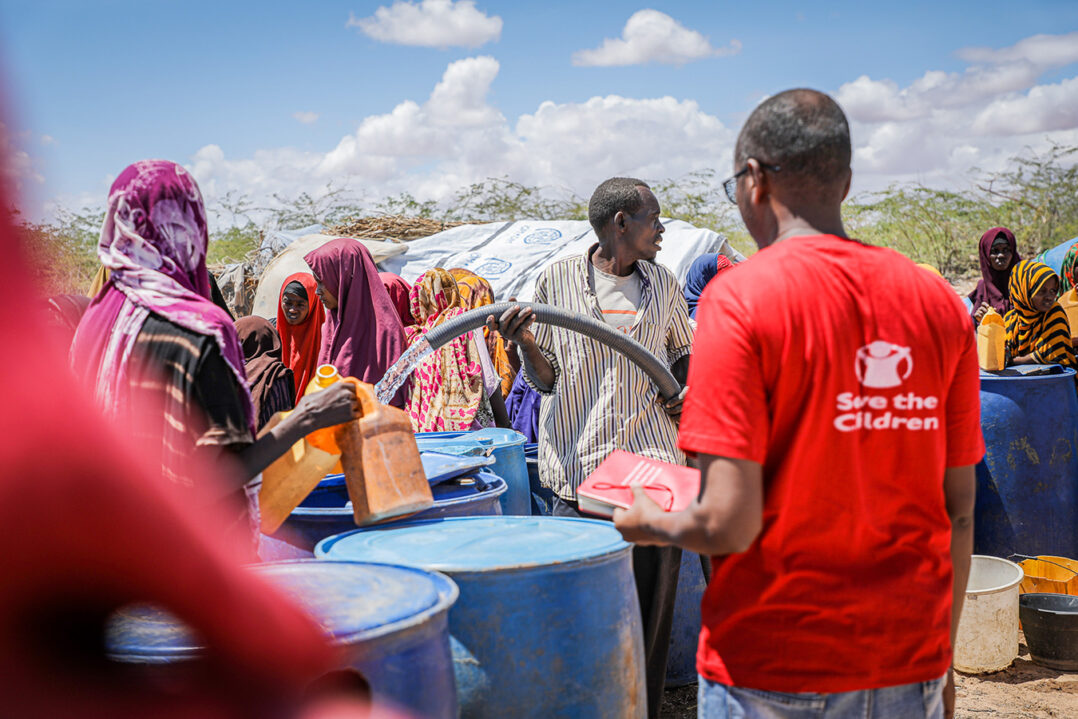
987 638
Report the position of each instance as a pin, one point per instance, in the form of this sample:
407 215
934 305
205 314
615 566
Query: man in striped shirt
594 399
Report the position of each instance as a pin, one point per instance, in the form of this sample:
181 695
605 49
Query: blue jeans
923 700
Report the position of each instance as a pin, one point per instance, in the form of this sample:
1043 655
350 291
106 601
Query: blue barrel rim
335 513
1066 372
519 440
448 592
446 599
619 546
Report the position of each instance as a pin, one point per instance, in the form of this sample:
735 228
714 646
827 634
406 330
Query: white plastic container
987 638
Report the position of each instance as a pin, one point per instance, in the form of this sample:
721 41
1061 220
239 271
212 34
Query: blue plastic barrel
323 513
509 463
1054 257
685 631
390 621
542 498
548 623
1027 485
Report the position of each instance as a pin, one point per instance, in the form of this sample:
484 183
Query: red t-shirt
851 375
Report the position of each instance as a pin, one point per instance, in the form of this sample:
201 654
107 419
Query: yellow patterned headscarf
447 386
1045 335
476 292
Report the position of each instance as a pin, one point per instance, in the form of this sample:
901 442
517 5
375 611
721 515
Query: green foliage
502 199
407 205
63 254
1038 197
926 225
233 244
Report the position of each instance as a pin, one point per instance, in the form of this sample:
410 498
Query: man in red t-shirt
834 411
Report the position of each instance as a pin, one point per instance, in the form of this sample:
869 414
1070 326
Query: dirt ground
1022 691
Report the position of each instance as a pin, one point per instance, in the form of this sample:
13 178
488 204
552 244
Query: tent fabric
511 255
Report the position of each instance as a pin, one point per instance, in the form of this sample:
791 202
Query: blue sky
218 86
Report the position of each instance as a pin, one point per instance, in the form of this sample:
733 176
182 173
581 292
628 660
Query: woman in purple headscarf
159 355
998 254
362 336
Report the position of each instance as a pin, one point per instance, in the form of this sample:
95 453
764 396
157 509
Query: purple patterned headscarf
154 243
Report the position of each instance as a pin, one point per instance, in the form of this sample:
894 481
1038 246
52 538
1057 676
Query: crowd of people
837 556
1027 294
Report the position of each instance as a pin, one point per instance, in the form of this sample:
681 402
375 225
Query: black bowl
1050 622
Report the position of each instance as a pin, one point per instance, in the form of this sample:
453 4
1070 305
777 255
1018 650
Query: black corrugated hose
589 326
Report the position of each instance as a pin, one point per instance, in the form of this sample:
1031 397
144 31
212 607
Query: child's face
1046 295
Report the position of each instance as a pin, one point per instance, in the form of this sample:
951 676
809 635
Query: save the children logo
877 364
883 365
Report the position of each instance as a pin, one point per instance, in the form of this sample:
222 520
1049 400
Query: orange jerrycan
290 478
1069 302
992 342
382 469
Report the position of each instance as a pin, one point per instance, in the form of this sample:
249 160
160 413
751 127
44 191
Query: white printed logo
882 365
877 364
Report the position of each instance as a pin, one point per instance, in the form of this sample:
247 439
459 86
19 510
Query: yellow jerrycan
382 469
1069 302
992 342
290 478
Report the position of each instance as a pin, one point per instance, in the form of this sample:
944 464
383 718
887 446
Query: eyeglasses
730 184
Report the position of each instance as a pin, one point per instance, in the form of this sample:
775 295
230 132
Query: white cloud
653 36
47 140
944 123
307 118
455 137
1041 50
1043 109
430 23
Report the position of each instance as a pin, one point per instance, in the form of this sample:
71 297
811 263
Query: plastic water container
390 623
685 631
987 639
548 622
1050 575
1027 496
325 513
509 464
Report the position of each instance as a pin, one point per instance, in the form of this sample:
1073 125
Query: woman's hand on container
334 405
981 311
514 325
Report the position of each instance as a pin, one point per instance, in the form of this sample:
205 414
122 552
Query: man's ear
619 221
849 180
759 187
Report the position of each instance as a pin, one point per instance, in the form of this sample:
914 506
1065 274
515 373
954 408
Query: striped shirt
600 400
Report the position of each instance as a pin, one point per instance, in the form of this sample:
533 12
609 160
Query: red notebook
671 486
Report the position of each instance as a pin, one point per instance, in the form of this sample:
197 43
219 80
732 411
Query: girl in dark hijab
998 254
272 387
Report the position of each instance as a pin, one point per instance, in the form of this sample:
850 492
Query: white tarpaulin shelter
510 255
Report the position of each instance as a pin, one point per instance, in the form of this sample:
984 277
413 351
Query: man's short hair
618 194
802 131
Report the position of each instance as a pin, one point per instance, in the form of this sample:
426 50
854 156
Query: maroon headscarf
993 285
398 289
363 337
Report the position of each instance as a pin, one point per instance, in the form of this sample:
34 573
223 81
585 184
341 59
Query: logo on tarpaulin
542 237
492 266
